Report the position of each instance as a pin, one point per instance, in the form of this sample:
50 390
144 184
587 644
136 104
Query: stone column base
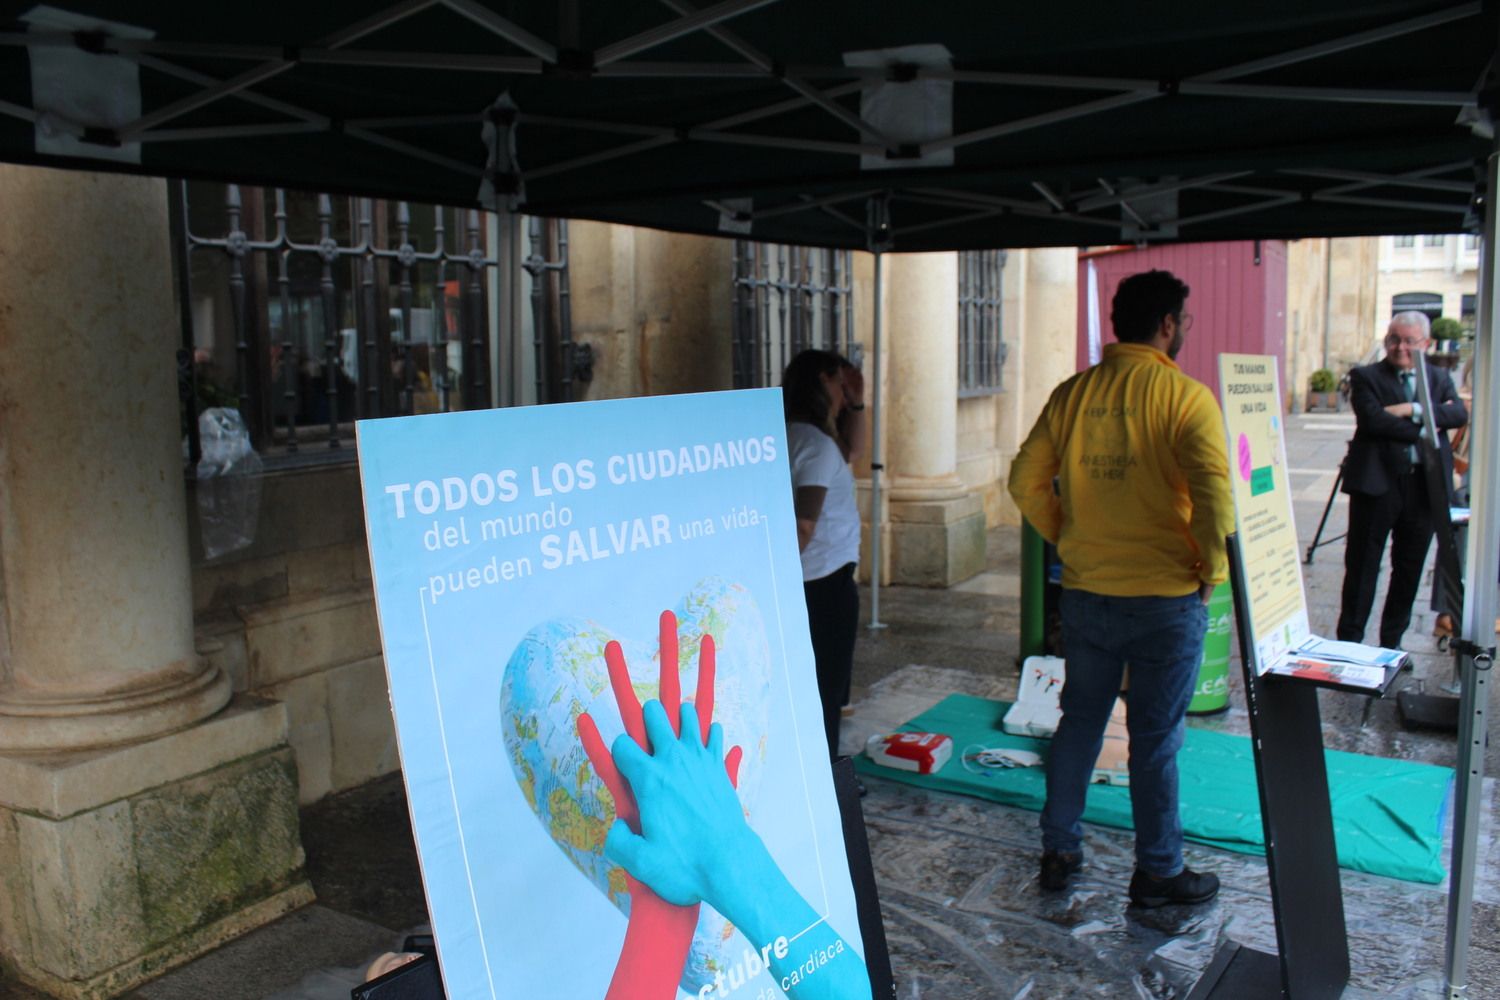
36 724
935 542
117 865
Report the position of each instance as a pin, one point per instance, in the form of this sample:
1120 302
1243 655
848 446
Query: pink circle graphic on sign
1244 457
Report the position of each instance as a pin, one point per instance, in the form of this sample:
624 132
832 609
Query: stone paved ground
957 876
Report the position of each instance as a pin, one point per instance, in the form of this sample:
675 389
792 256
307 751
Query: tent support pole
1476 655
877 419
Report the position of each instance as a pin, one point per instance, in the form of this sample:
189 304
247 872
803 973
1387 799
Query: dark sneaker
1187 887
1057 867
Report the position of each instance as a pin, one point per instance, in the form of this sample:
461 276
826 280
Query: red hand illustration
658 934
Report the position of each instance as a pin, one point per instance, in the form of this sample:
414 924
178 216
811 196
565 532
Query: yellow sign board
1251 393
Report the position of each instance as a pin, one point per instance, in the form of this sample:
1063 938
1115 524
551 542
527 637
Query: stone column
139 819
1040 319
936 523
93 542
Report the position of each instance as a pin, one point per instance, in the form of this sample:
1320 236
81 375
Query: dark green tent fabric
1387 814
1282 118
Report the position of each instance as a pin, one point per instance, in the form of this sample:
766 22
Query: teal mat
1387 814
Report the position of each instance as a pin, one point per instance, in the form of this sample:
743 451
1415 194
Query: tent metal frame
1109 206
1476 656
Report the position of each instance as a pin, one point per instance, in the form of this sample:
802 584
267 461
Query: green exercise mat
1387 814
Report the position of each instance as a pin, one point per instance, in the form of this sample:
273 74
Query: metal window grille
981 352
307 311
1405 241
788 299
559 361
1435 240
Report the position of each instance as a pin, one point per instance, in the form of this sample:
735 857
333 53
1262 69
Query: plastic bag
228 482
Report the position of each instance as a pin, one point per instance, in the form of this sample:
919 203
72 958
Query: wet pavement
964 917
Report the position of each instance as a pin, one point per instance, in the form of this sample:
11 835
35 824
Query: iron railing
560 361
335 308
788 299
981 351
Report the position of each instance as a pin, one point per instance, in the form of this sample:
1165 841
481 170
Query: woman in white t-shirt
823 396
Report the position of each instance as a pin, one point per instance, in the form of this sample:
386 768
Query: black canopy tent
872 124
1057 124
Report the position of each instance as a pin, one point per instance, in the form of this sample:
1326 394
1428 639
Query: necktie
1409 387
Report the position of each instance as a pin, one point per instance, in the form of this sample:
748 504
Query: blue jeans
1162 640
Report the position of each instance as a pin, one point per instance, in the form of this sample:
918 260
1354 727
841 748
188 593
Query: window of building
1430 303
1435 240
1471 241
788 299
981 351
1403 242
307 312
1468 309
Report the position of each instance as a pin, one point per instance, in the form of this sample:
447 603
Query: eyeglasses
1411 344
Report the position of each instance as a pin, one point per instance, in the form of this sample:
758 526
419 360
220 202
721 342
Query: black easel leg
1323 521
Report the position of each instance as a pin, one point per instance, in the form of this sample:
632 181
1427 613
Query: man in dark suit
1388 494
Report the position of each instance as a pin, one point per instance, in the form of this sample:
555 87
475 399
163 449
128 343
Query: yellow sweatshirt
1142 504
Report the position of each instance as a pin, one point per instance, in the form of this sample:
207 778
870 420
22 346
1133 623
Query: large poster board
510 548
1251 391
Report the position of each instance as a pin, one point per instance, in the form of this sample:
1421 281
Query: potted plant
1447 328
1322 392
1447 341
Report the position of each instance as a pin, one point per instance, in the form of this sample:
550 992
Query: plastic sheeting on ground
1387 814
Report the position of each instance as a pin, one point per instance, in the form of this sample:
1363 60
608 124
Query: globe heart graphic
557 672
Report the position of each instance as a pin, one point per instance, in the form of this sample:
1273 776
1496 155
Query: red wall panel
1238 303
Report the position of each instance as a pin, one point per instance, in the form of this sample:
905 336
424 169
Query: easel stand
862 874
1317 540
1301 861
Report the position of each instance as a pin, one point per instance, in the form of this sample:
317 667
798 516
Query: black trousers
1404 515
833 622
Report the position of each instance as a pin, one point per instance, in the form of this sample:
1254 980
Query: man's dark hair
1142 301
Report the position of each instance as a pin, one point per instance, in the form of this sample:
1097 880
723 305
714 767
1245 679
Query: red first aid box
923 753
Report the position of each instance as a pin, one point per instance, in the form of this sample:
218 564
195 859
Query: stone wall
1039 318
292 618
1331 314
196 844
653 306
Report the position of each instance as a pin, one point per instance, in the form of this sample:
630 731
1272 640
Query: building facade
168 698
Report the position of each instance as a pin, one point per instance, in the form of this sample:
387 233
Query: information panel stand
1301 860
862 872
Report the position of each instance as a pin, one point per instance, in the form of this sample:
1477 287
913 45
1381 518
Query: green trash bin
1211 694
1033 597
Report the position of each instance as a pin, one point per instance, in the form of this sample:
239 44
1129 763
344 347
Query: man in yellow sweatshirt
1126 473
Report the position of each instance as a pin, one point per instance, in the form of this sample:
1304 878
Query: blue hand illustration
659 933
695 846
682 793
